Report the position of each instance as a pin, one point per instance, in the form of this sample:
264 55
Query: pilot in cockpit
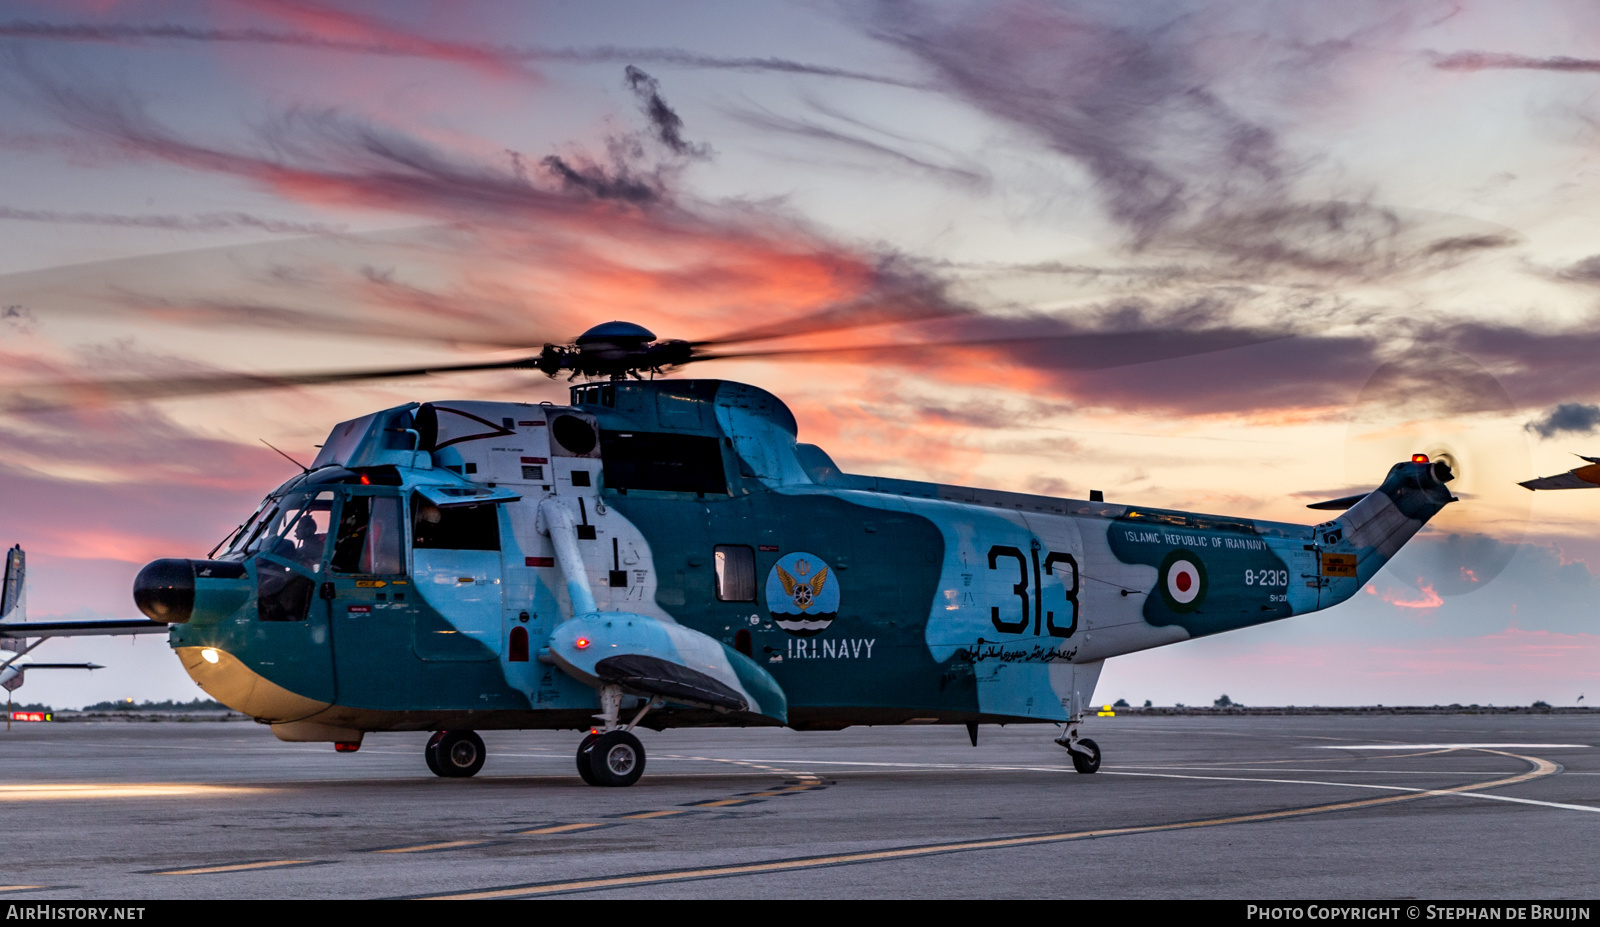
308 542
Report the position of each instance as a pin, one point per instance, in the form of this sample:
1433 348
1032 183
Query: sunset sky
1404 199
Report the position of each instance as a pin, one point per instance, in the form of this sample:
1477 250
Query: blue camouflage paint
938 603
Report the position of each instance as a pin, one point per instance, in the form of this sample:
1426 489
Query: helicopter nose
164 590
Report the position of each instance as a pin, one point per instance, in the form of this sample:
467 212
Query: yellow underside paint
243 689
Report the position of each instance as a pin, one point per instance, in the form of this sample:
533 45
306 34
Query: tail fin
1386 518
13 603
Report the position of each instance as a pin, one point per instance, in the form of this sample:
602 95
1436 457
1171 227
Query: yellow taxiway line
235 867
558 829
425 847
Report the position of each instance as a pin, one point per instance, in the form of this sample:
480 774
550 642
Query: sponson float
665 553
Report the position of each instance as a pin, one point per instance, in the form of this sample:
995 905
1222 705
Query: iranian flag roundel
1183 580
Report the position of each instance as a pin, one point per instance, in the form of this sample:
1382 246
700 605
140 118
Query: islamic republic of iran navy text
1193 540
848 649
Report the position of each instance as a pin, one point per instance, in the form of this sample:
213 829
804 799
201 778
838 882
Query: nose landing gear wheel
616 758
583 758
456 754
1088 761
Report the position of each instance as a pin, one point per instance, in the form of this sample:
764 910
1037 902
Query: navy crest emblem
802 594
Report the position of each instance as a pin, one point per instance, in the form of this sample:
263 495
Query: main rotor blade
1068 350
841 317
43 397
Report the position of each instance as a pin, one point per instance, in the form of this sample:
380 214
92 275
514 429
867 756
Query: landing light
1419 458
581 643
209 655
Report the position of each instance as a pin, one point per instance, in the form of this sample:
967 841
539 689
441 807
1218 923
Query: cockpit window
246 532
295 529
369 539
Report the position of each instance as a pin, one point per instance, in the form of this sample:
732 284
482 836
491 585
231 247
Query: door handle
328 592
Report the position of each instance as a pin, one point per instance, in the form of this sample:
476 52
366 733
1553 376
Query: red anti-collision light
367 482
581 643
1419 458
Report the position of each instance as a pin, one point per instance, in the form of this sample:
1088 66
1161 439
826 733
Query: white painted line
1456 747
1357 785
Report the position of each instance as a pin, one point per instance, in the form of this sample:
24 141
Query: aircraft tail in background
13 601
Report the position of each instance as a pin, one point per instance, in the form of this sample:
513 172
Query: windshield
294 527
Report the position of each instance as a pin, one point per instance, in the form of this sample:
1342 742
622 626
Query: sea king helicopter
665 552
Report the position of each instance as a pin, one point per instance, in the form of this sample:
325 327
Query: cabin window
736 573
454 527
662 461
369 539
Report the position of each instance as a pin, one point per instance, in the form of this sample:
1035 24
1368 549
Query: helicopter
664 552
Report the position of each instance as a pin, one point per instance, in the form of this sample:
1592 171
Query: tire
616 759
429 755
583 757
459 754
1089 763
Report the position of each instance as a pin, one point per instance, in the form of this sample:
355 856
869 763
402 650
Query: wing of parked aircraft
1585 477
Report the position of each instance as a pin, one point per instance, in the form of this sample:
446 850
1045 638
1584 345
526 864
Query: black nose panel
164 590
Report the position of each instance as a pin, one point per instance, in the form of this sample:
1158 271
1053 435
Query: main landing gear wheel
456 754
583 757
1087 761
616 758
428 754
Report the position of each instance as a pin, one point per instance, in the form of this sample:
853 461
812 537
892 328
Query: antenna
303 467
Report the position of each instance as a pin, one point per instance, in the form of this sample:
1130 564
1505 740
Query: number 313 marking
1052 559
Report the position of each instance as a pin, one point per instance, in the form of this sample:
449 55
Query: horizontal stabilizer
84 666
82 628
1338 505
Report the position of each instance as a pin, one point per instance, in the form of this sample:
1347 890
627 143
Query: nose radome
164 590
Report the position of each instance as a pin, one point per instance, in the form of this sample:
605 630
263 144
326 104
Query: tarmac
1254 807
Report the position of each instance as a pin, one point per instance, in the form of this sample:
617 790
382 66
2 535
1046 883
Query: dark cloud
1567 418
1536 365
205 222
667 123
510 59
1126 102
1584 271
594 180
18 319
1138 97
1493 61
